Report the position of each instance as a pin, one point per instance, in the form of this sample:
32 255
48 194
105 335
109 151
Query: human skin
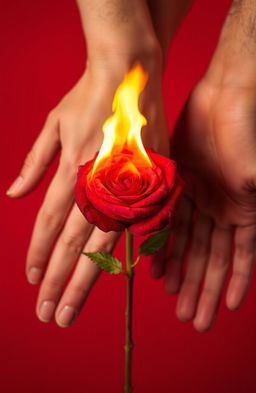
215 147
117 34
166 17
73 113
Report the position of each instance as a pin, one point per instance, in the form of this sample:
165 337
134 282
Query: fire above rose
126 185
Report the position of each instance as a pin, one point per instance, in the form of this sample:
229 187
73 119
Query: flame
122 130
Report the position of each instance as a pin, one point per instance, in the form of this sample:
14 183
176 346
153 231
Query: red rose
120 195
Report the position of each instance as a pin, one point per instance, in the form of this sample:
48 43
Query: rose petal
154 193
119 194
102 221
161 219
80 187
119 211
93 216
167 166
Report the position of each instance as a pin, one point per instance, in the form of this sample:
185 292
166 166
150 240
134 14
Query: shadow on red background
43 55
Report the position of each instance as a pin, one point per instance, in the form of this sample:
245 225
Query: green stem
128 313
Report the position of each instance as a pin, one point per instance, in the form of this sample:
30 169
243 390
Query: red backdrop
42 56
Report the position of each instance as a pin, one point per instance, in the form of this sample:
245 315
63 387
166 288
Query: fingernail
34 275
183 311
66 316
232 301
46 311
202 324
15 186
199 324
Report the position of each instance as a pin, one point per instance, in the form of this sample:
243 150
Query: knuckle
103 246
69 163
192 281
49 219
219 259
72 242
241 275
207 291
52 283
199 247
245 250
78 290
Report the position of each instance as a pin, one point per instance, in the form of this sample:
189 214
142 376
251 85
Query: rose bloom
120 195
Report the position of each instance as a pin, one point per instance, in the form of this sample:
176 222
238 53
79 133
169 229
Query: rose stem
128 313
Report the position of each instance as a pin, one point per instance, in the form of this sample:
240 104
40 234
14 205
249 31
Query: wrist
119 33
120 56
232 71
234 61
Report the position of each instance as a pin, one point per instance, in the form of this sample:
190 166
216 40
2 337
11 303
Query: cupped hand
215 230
61 232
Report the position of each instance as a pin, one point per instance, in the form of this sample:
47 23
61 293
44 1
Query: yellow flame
122 130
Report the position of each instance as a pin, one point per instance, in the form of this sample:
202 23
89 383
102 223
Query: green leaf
105 261
154 242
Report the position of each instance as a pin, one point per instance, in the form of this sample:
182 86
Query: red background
42 56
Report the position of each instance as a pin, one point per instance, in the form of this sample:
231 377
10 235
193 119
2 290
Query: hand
214 145
75 126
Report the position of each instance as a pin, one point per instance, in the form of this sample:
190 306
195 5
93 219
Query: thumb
37 160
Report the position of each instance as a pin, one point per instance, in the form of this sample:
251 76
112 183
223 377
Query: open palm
215 147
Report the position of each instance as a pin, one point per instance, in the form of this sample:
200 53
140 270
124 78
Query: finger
243 264
49 222
84 277
180 237
181 219
216 273
37 160
197 261
66 252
